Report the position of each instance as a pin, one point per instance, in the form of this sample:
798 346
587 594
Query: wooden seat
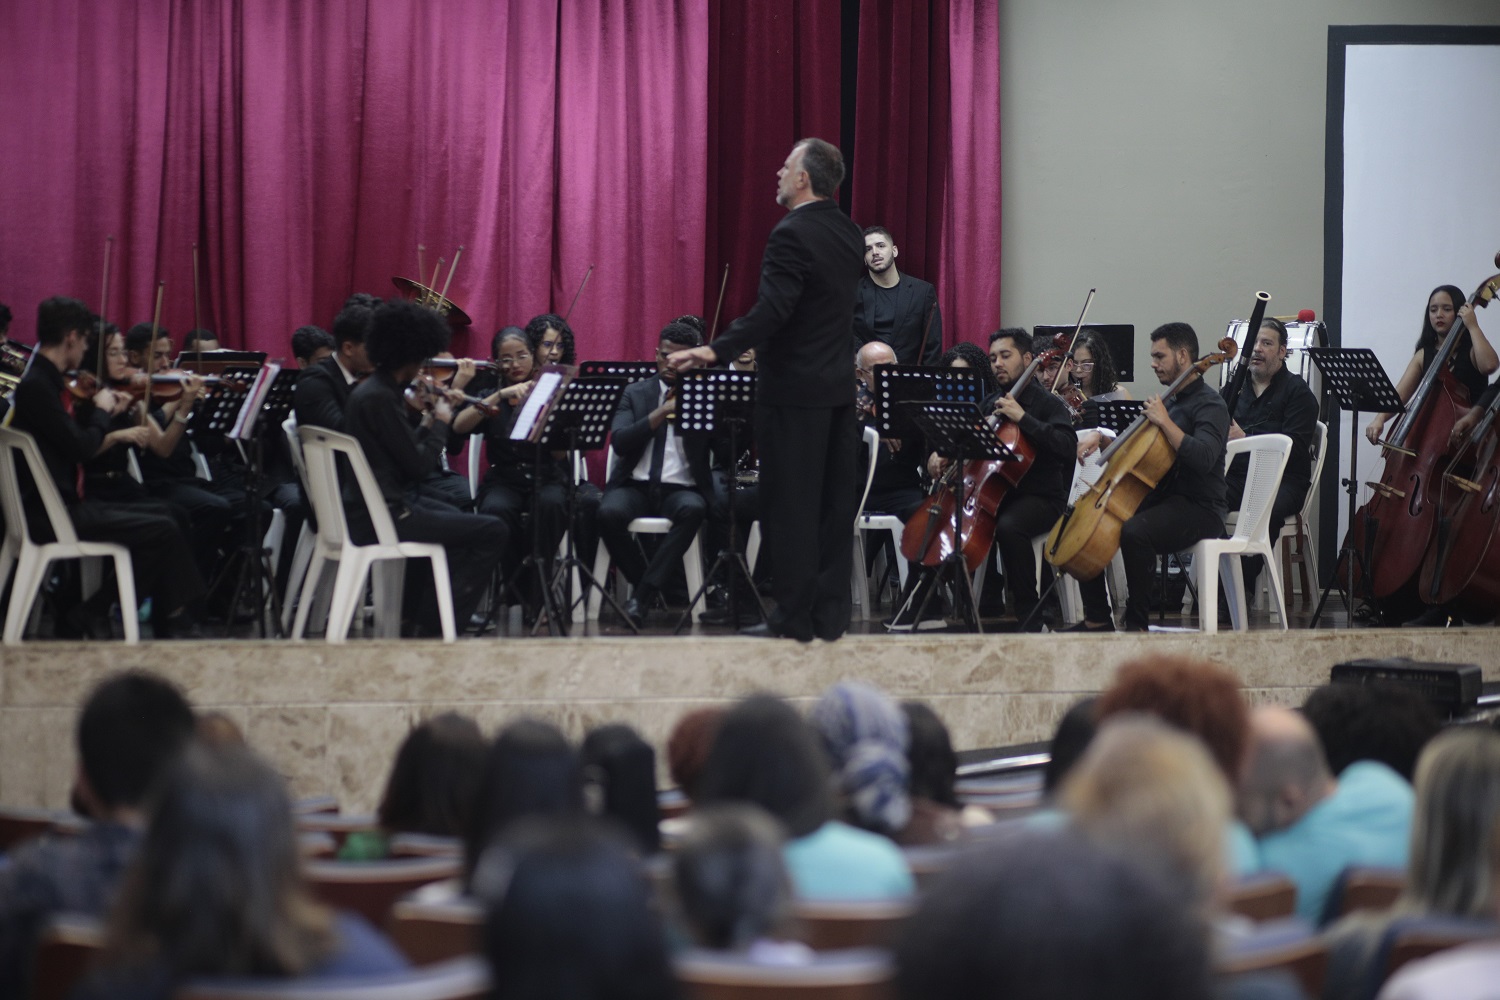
65 948
434 932
371 888
1263 897
929 862
460 979
1428 937
1306 959
831 926
18 825
424 845
1369 889
860 974
336 825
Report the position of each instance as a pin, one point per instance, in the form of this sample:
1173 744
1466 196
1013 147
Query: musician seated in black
1188 505
311 344
1091 368
199 341
551 340
1273 401
657 473
68 435
1030 507
896 487
323 388
401 336
521 476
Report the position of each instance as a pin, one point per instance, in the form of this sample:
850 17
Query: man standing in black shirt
401 336
805 428
1273 401
1188 505
892 307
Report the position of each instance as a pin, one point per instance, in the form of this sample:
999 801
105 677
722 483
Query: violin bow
1074 339
927 328
197 320
109 244
581 286
723 284
155 329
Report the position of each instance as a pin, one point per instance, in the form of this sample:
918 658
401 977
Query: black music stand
958 431
577 419
710 402
630 371
220 362
1358 381
1116 414
262 410
897 386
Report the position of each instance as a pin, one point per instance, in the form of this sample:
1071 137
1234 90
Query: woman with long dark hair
967 355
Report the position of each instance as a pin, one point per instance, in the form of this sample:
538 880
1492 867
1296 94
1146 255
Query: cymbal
413 289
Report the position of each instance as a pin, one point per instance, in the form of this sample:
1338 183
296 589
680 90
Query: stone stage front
330 717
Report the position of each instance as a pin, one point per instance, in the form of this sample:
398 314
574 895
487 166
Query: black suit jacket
913 298
321 396
631 435
803 317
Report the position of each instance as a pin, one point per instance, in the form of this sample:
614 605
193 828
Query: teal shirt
1241 850
840 862
1366 821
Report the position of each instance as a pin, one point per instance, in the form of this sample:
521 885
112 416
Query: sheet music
244 423
536 402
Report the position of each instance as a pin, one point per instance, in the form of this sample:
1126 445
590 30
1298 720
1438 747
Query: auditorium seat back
858 974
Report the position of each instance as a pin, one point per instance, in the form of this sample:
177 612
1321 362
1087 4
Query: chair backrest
1411 938
859 974
65 948
1320 452
476 447
831 926
371 888
425 845
871 439
1363 888
19 824
1085 473
13 443
294 445
321 447
1305 958
435 932
460 979
1268 896
1268 454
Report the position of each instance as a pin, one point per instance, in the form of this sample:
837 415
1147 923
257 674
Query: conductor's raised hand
693 357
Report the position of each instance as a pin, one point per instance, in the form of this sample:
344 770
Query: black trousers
448 488
809 492
509 502
1161 525
217 513
1020 519
163 563
684 506
472 542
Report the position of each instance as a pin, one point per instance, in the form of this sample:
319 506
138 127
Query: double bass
1087 536
1463 564
1392 530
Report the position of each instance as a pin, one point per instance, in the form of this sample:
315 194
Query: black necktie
658 456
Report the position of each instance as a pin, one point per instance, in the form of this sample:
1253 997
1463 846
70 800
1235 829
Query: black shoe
765 631
721 616
635 613
1435 616
1085 627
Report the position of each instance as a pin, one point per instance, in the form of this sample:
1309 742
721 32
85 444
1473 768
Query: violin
450 365
1391 532
1070 393
423 394
1087 536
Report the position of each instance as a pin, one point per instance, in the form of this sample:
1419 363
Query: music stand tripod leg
562 575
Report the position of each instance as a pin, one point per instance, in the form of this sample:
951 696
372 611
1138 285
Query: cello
1086 537
1461 564
1392 530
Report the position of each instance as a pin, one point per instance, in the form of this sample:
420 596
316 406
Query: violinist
323 389
967 355
518 478
1091 373
68 434
442 483
1474 359
1273 401
400 337
311 344
1188 505
551 340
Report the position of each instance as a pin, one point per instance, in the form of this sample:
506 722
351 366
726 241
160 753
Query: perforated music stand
631 371
577 419
958 431
897 385
1118 414
219 362
713 402
1358 381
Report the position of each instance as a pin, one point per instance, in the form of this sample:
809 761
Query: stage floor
330 717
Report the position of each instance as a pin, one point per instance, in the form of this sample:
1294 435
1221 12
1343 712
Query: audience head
1074 733
934 765
551 340
1454 824
132 728
864 734
1044 917
311 344
530 770
404 333
349 329
767 755
1192 695
688 747
1285 772
435 779
570 915
619 781
732 883
216 889
1388 723
1155 791
217 730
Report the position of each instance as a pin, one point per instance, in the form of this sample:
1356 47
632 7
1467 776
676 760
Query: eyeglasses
511 362
1084 366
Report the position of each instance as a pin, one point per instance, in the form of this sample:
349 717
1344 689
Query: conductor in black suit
657 473
805 426
892 307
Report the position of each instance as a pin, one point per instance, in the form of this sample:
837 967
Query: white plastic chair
889 523
1294 531
31 559
859 579
386 557
306 538
1252 536
692 559
476 467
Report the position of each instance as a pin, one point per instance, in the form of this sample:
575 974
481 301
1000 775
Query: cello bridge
1467 485
1389 492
